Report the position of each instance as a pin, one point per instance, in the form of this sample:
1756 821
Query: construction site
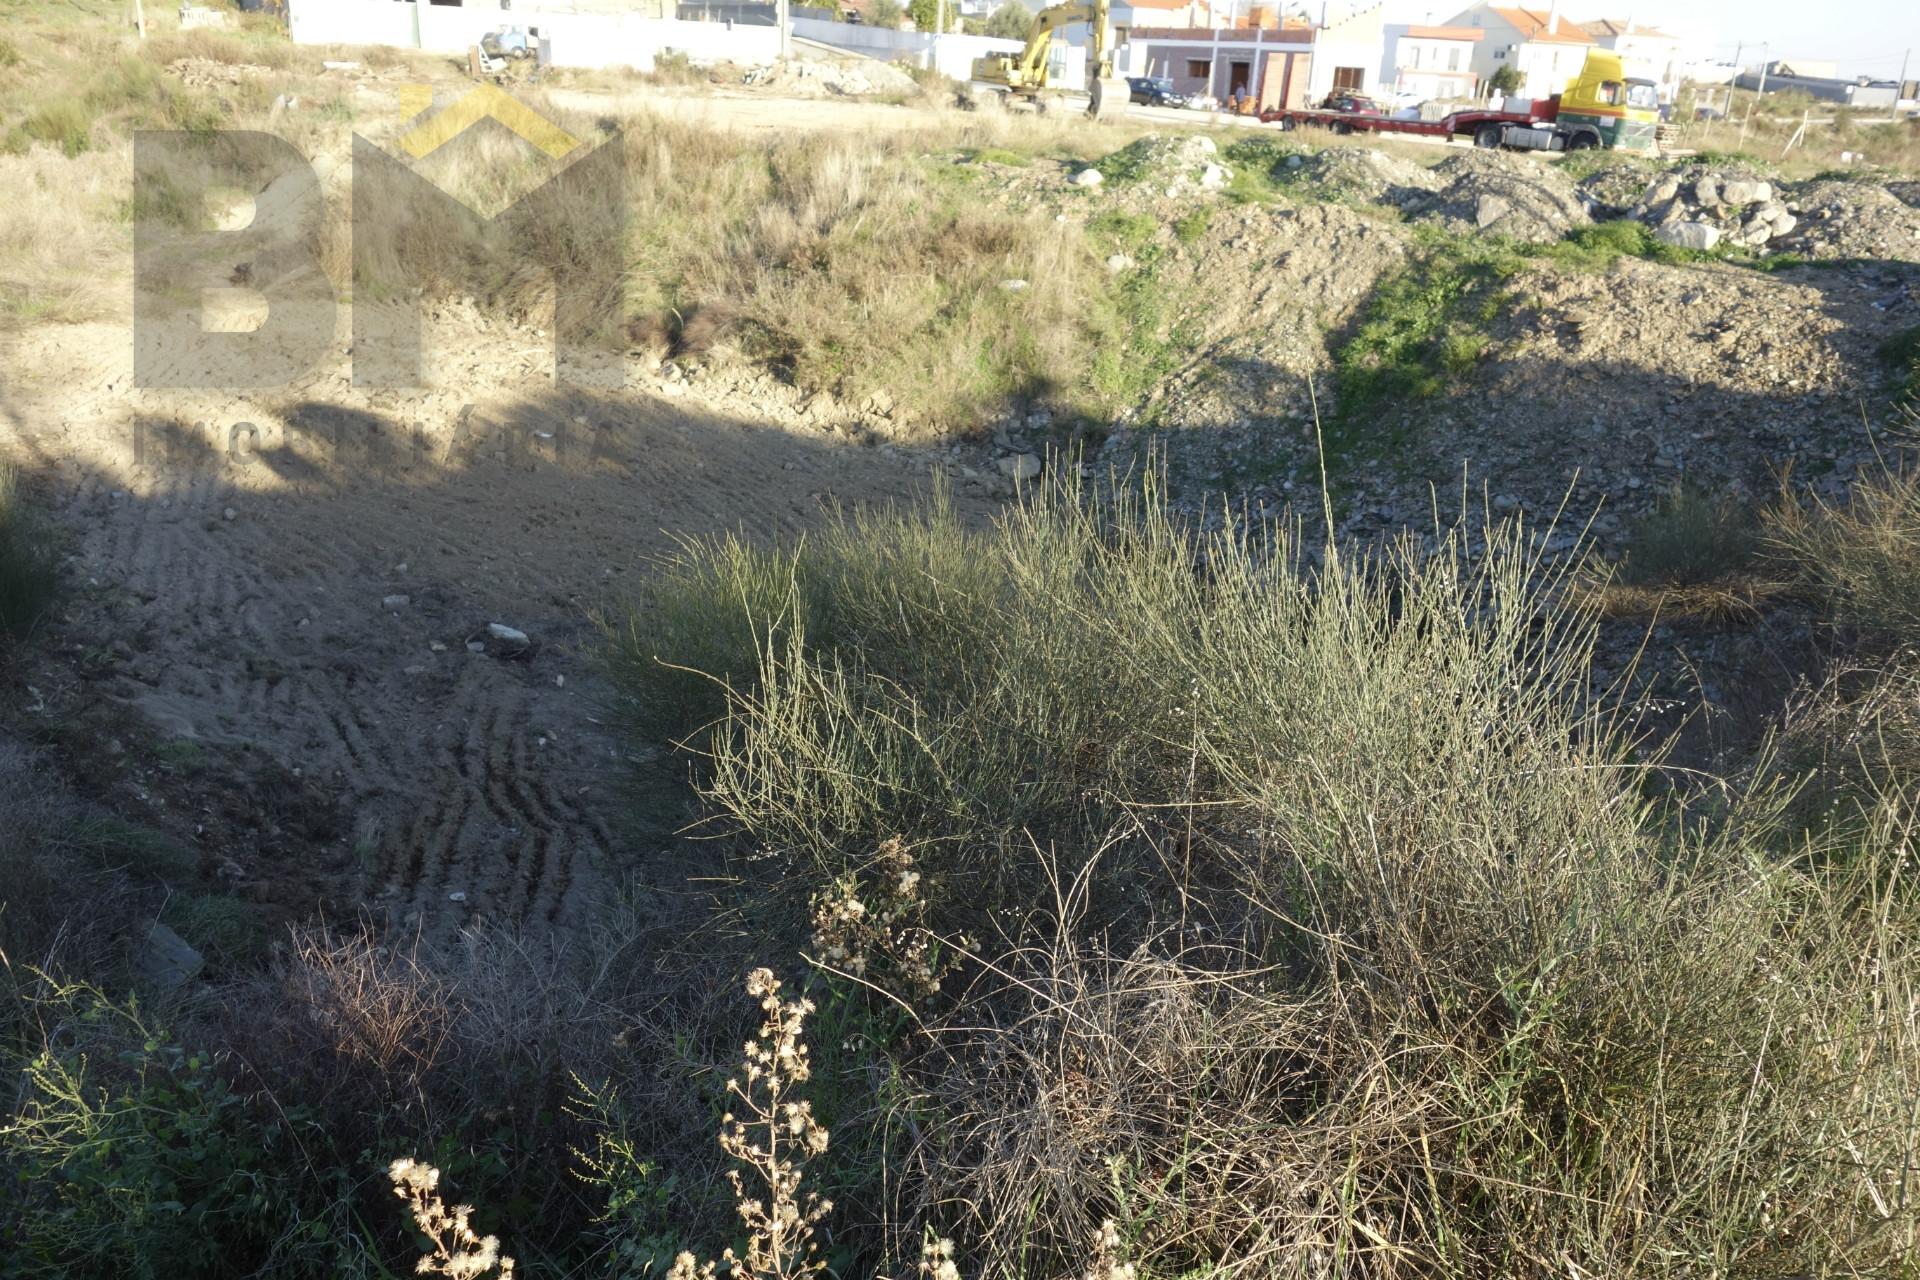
1295 690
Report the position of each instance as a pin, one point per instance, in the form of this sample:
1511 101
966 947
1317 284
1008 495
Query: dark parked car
1353 104
1155 91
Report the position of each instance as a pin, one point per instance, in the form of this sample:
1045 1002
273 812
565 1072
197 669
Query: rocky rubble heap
808 75
1698 208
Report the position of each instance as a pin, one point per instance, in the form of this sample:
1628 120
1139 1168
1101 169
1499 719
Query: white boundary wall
579 39
956 51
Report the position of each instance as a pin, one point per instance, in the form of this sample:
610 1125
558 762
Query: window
1352 79
1199 68
1610 92
1500 54
1413 57
1453 59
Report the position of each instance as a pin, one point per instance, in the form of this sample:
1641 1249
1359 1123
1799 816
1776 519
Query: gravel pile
1853 220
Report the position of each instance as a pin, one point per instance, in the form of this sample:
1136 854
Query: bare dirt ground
304 620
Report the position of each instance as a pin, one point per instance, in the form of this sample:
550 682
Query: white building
1435 63
1545 48
1348 51
1649 54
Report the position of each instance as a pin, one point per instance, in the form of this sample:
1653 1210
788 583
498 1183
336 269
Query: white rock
1213 177
1089 178
1741 191
1707 192
1489 210
1013 286
397 602
1019 466
1119 262
508 635
1688 235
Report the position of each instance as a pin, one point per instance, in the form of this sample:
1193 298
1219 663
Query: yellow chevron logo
484 103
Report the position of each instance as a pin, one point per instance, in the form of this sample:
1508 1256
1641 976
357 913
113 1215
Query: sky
1866 37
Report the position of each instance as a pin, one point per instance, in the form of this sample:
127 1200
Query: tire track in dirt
259 603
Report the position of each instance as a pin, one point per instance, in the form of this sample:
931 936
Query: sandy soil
297 608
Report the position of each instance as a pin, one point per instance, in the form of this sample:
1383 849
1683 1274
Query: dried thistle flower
459 1252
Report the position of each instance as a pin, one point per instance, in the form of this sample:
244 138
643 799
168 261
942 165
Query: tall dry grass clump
1325 925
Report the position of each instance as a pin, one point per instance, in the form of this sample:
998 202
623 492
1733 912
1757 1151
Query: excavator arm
1026 73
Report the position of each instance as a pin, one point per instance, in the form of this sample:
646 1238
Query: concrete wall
953 54
579 39
1278 76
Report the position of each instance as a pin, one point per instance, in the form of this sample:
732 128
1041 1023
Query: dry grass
1322 928
1863 556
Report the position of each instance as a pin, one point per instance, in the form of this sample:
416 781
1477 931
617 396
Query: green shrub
63 124
132 1156
1690 538
1901 353
28 575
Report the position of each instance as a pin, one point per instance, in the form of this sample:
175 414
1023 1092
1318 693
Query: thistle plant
459 1252
882 931
1108 1261
773 1136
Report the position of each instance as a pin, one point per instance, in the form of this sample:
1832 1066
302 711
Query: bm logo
404 232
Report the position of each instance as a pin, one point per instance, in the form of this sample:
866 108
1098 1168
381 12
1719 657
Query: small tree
925 13
1504 81
885 13
1010 21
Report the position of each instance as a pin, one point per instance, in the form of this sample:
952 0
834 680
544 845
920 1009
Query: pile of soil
1178 165
1361 174
1503 194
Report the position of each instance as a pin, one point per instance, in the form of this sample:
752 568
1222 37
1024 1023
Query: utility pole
783 15
140 18
1758 94
1901 91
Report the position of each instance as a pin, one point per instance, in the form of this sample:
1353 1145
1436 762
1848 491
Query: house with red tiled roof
1651 54
1434 64
1545 48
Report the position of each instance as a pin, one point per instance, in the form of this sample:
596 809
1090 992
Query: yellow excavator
1025 75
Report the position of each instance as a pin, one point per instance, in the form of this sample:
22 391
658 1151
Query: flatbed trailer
1603 107
1534 130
